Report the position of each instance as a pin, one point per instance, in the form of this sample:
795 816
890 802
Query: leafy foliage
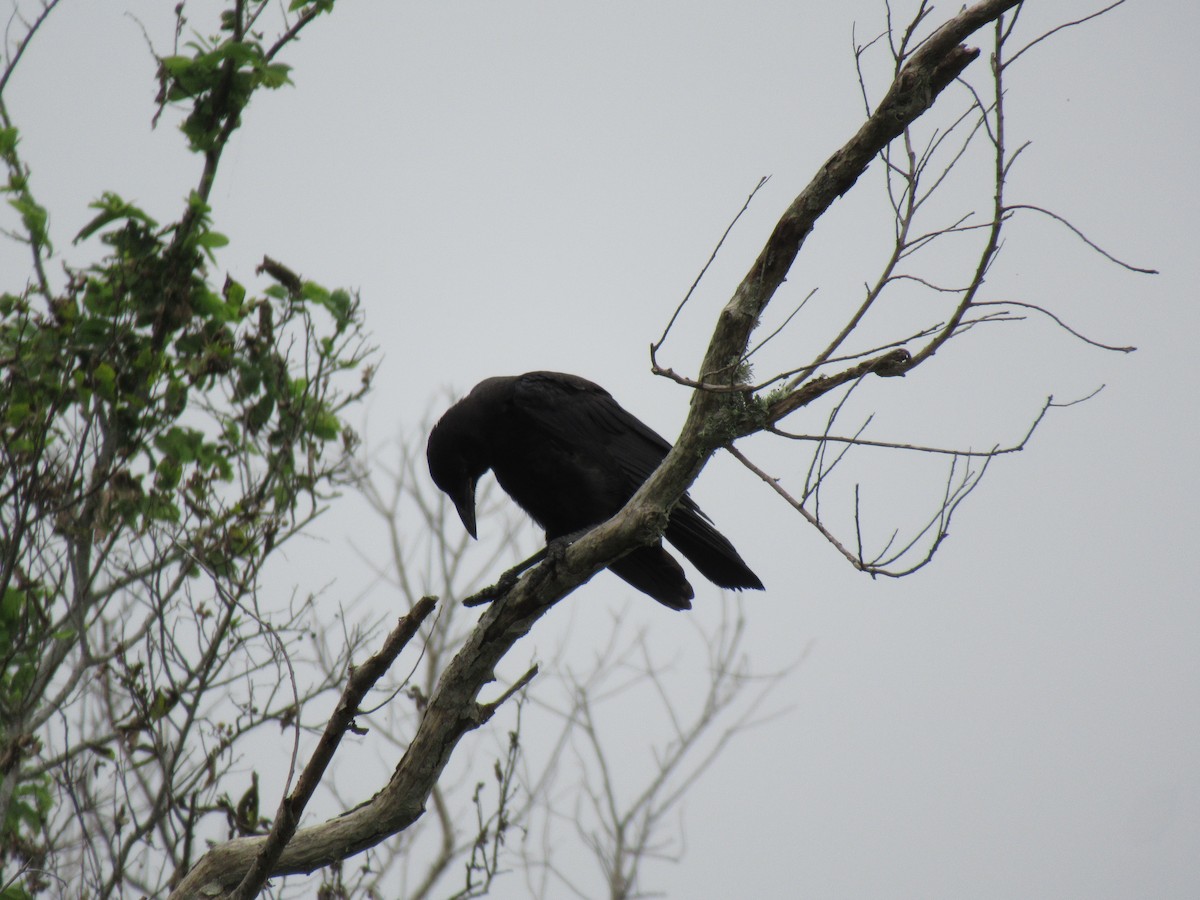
160 436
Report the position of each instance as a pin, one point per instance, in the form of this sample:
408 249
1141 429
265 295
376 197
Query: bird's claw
494 591
553 553
556 549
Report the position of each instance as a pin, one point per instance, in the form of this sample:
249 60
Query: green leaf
112 208
11 604
248 384
314 293
175 400
167 474
210 240
318 5
9 139
211 306
326 426
16 413
181 444
34 217
340 305
164 701
106 380
158 509
176 65
275 75
235 294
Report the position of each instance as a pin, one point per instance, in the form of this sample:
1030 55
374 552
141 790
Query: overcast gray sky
523 185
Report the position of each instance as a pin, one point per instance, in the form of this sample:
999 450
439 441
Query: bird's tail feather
708 550
654 571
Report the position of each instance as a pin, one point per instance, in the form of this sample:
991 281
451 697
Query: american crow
571 457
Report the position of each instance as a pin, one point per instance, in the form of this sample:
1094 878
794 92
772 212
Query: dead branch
362 679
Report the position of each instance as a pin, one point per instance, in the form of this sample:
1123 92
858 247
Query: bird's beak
464 502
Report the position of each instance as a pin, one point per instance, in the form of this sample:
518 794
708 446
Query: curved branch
1061 324
1079 234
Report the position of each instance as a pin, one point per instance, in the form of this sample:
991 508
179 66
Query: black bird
571 457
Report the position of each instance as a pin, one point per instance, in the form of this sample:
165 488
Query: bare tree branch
362 679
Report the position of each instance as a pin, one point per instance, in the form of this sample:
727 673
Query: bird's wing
573 410
584 418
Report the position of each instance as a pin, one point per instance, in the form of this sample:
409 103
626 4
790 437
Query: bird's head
457 459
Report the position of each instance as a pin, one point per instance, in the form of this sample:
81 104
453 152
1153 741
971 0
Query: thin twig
1012 59
1083 237
712 257
1058 321
797 505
